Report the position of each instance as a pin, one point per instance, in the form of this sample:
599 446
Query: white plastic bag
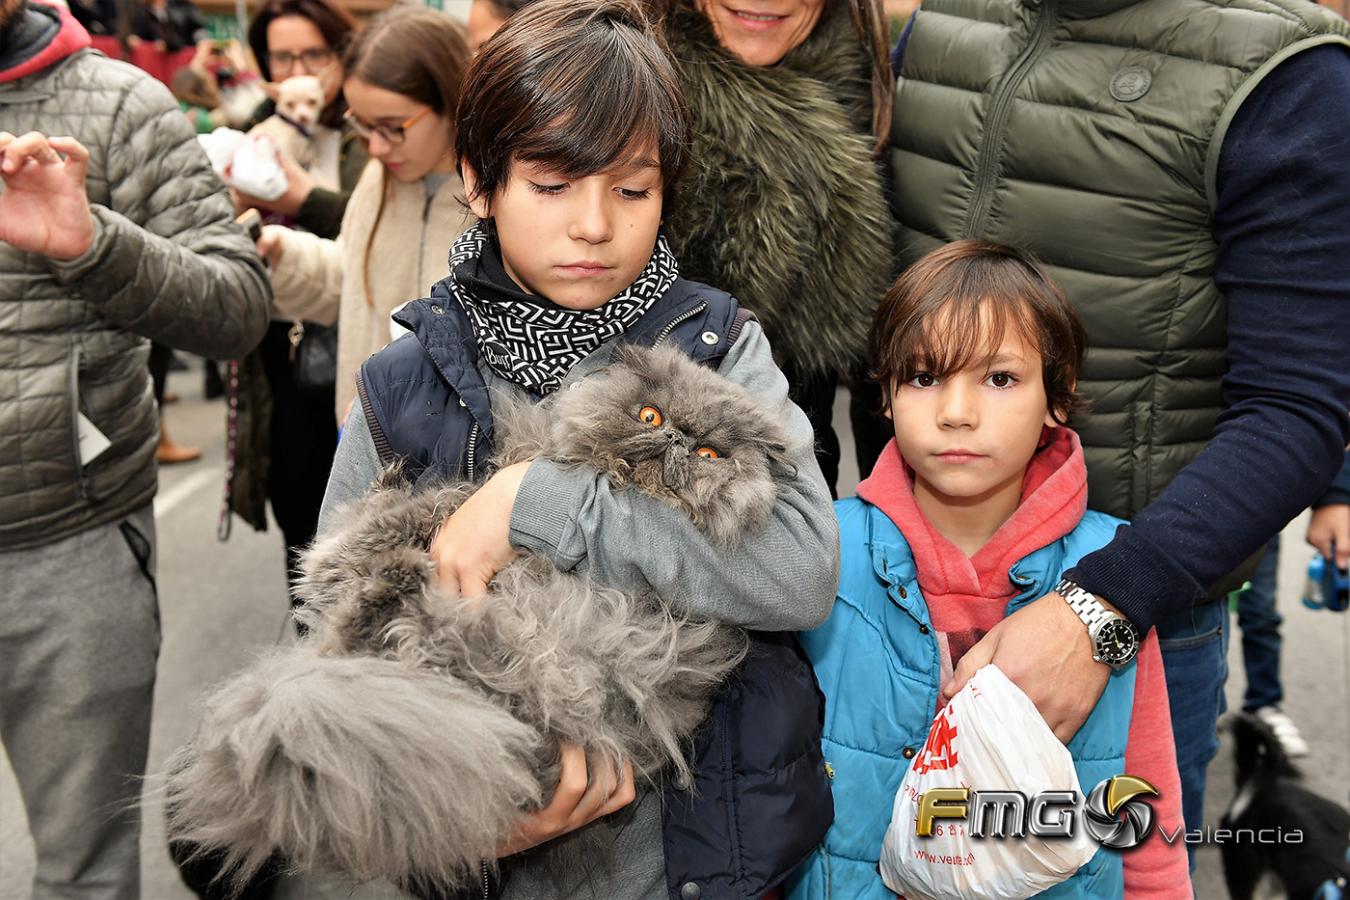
220 146
989 737
246 162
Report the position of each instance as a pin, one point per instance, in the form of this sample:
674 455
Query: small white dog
299 102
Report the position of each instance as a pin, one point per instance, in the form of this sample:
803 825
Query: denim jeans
1193 643
1260 624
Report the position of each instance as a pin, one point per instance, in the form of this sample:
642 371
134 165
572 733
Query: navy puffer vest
761 801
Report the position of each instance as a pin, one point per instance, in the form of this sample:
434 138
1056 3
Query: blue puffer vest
760 801
878 651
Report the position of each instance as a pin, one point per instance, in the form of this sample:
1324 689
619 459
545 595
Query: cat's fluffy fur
407 733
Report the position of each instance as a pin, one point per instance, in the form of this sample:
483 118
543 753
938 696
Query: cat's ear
781 465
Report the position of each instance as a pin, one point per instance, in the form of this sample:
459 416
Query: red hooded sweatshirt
48 45
967 596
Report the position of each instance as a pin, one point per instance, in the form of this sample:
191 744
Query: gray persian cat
404 736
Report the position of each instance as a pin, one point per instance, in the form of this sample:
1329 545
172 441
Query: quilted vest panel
1089 134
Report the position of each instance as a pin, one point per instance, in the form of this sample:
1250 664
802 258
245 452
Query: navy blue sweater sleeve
898 51
1284 268
1339 492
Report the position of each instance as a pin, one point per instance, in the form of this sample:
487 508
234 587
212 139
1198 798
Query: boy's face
578 242
969 436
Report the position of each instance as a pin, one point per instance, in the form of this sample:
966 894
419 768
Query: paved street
223 603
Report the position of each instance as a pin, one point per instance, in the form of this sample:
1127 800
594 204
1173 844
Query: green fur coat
781 203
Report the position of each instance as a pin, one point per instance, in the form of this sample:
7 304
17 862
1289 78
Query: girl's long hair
420 53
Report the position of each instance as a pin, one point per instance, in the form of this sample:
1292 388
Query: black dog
1271 796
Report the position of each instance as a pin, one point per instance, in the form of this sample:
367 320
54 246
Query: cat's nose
675 472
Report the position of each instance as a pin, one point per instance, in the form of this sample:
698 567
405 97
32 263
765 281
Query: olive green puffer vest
1088 132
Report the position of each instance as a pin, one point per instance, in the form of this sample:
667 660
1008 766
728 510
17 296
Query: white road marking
165 501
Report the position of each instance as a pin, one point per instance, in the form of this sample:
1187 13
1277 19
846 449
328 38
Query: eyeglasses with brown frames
392 134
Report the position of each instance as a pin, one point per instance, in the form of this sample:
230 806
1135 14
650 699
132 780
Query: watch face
1116 642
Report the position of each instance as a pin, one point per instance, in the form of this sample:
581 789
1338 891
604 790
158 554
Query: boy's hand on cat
1044 649
587 790
474 544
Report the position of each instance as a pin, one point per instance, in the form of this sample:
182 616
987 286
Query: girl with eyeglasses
403 77
282 432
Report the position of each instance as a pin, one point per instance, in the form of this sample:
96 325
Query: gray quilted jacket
168 263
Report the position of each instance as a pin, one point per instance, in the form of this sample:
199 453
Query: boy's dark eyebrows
1003 359
637 165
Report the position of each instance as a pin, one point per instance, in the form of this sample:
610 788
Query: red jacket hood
70 38
1054 498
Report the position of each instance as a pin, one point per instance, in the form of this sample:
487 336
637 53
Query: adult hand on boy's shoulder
474 544
588 789
1045 650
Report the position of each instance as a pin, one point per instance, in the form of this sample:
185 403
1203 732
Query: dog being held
406 735
1271 795
299 103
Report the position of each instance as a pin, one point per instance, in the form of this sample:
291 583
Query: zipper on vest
487 884
473 449
673 323
1000 106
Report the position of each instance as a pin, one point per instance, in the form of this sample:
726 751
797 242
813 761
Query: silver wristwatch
1114 640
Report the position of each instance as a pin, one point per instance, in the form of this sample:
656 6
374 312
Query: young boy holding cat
571 132
977 506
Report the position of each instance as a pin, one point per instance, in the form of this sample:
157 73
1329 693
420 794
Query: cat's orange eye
708 453
650 415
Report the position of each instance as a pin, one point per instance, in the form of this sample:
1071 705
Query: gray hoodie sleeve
781 577
168 261
356 465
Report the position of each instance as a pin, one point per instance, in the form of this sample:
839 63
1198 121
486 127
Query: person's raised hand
1044 649
474 544
238 58
588 789
1331 523
44 208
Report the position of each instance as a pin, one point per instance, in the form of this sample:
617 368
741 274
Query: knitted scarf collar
534 342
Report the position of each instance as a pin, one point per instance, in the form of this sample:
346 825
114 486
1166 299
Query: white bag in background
989 737
246 162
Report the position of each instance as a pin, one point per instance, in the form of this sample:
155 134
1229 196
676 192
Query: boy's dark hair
959 301
576 87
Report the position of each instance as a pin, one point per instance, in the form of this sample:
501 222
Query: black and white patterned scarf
535 344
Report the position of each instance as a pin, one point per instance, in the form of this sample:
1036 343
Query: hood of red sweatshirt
43 36
1054 498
